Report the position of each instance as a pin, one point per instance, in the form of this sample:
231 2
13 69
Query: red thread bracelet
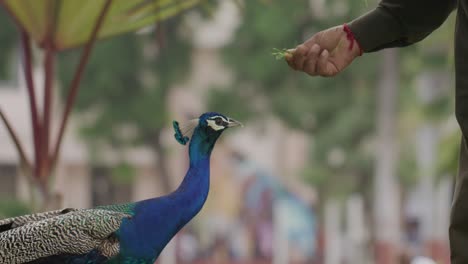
351 38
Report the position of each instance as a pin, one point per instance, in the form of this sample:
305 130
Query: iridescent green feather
127 208
179 136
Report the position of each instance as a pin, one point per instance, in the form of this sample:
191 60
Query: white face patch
213 124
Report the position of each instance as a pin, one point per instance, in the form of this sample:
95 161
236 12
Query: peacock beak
234 123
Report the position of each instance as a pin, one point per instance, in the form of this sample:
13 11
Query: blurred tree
338 112
430 100
56 26
127 94
387 218
8 40
12 208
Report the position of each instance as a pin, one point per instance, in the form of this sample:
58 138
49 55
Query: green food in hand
280 53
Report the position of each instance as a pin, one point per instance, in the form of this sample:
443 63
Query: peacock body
133 233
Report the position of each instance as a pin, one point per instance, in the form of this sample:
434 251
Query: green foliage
280 54
73 21
12 208
123 173
107 83
439 109
336 112
8 40
228 101
448 154
126 84
407 170
125 92
433 56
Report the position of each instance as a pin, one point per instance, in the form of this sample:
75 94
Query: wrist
354 45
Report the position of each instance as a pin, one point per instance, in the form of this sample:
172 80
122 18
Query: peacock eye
218 121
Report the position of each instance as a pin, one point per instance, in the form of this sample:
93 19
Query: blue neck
194 189
157 220
196 182
201 144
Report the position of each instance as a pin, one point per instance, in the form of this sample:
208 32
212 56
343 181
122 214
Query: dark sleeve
398 23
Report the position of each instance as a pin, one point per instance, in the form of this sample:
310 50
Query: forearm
396 23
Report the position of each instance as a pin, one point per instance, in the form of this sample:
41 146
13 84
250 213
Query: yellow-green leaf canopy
69 23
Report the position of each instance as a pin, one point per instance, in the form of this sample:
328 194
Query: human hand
326 53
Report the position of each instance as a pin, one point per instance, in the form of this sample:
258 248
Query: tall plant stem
49 74
77 78
28 74
14 137
45 133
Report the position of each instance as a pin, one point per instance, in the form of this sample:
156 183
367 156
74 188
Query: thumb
289 54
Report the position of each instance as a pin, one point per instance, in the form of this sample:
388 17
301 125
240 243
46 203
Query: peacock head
211 124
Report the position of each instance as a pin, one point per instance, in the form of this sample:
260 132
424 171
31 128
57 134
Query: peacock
132 233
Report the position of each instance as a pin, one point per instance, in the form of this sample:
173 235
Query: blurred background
353 169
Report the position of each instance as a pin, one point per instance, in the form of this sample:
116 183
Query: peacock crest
182 133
